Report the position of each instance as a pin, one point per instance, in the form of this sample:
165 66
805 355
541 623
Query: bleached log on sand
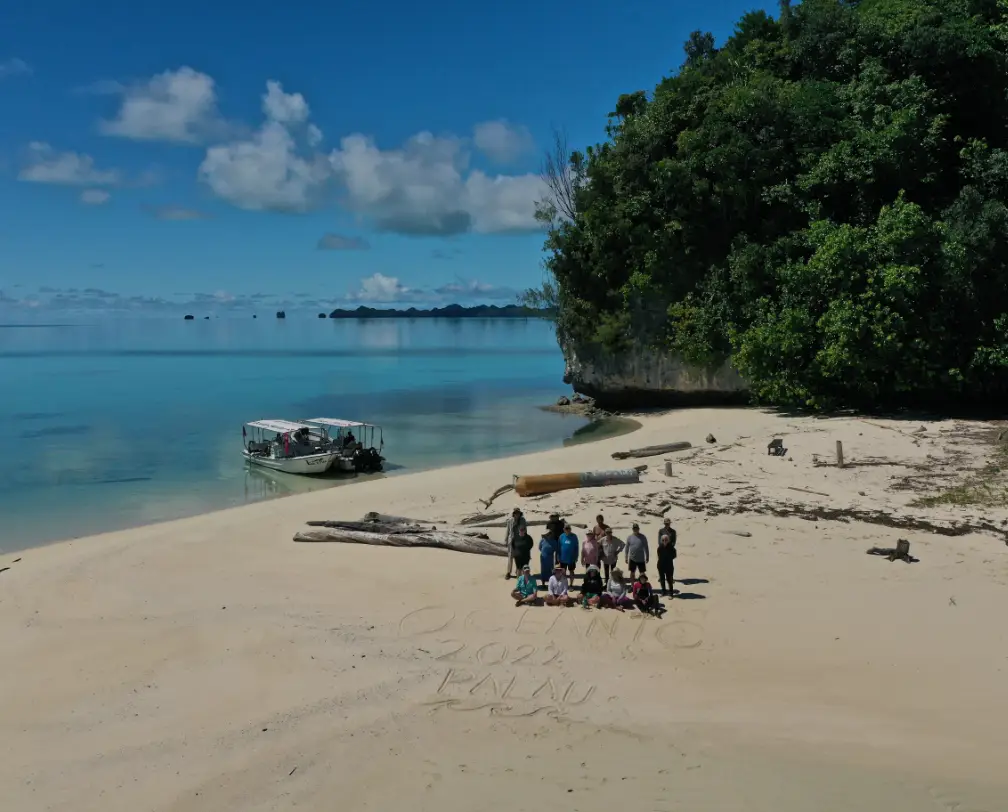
651 450
441 539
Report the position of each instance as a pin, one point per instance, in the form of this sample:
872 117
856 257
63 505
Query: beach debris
711 438
743 533
501 490
651 450
532 523
839 454
479 518
4 569
477 543
901 552
375 527
537 484
807 490
668 468
776 448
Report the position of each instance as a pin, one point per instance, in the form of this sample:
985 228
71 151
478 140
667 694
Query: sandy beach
213 664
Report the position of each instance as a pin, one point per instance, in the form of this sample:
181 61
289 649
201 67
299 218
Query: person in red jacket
645 597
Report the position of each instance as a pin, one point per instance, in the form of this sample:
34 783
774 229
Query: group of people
560 551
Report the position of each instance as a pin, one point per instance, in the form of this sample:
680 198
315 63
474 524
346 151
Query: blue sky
220 157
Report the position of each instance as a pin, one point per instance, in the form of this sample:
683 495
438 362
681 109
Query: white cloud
426 188
14 67
271 171
94 197
381 289
45 165
178 106
287 108
502 141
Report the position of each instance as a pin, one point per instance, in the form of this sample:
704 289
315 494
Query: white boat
289 447
356 452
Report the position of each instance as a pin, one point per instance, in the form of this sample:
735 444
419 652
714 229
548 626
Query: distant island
452 311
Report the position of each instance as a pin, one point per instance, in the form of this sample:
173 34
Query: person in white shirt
557 591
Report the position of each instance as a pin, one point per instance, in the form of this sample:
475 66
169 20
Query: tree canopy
823 199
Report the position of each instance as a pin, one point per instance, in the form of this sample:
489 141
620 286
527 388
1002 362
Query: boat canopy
279 426
337 423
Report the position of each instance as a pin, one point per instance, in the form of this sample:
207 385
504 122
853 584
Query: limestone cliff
644 377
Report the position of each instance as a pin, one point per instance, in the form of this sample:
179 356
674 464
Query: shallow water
121 423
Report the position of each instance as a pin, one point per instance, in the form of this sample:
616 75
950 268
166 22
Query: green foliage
823 199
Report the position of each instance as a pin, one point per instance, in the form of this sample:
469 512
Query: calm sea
121 423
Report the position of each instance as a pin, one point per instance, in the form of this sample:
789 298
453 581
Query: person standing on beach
667 557
547 557
637 553
511 528
611 548
569 543
522 548
600 527
590 550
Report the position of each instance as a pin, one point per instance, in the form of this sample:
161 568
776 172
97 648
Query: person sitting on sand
569 549
611 548
590 550
524 592
592 587
644 596
617 594
558 589
547 556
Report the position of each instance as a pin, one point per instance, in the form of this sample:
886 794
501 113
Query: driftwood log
480 518
500 491
477 544
651 450
533 523
900 552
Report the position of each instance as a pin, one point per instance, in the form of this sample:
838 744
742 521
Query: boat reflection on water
263 483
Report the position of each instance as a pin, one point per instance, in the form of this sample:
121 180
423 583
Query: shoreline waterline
302 486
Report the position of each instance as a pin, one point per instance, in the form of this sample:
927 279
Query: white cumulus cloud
287 108
427 188
178 106
381 289
272 170
502 141
94 197
46 165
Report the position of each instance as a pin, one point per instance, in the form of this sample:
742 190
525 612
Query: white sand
212 664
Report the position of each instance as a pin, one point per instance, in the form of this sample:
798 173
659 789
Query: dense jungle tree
823 199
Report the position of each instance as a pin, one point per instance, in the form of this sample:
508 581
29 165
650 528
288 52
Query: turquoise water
117 424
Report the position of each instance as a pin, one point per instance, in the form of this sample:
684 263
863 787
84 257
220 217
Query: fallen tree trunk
373 527
534 523
479 518
440 539
651 450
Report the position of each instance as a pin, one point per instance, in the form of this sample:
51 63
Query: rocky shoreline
580 405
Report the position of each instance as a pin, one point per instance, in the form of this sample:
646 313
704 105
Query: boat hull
308 465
